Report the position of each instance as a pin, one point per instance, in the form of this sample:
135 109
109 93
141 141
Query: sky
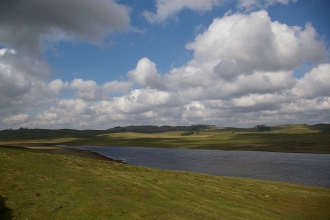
105 63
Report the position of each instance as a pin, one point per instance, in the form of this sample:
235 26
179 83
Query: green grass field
285 138
37 185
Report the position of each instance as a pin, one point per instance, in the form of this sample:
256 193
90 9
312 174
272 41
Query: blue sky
112 63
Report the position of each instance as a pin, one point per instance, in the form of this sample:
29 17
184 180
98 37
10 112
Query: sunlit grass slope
37 185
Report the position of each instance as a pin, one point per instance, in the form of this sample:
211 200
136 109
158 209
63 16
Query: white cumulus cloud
58 86
168 8
241 44
22 82
16 119
257 4
116 87
146 75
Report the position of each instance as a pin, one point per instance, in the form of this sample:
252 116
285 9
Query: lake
296 168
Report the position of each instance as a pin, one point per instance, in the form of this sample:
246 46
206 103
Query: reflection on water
296 168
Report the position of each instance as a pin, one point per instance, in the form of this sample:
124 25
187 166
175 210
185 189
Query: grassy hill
37 185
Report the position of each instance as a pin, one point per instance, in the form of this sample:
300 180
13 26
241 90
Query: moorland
40 180
284 138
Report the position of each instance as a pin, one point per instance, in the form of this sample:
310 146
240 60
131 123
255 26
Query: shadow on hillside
322 128
5 212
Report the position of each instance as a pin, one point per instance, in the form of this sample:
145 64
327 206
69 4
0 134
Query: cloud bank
241 74
29 25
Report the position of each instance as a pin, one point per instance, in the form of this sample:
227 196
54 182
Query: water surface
296 168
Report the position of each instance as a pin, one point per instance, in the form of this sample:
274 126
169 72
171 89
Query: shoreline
56 149
84 153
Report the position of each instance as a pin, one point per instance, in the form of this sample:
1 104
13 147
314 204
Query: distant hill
157 129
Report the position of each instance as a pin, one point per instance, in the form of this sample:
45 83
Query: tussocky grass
37 185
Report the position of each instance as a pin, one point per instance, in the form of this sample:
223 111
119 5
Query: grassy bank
36 185
285 138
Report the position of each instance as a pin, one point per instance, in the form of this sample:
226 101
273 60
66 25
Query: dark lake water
296 168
